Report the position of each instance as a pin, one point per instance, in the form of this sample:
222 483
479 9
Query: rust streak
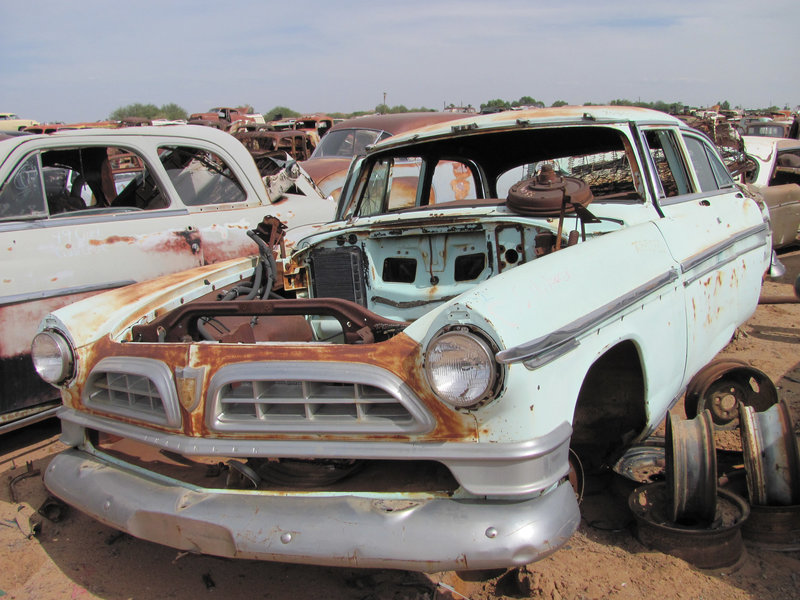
114 239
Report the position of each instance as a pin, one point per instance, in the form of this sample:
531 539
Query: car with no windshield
404 386
328 165
87 210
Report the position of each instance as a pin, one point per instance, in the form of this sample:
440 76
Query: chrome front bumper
356 530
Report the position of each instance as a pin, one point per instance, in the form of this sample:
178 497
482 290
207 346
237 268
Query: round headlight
460 368
52 357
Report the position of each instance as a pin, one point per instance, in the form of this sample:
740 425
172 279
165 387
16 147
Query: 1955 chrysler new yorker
404 386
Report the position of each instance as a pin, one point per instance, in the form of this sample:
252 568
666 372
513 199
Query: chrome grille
138 388
314 398
124 390
280 401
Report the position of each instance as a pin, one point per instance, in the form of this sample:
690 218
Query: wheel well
610 409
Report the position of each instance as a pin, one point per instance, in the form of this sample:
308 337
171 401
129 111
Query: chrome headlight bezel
53 356
475 391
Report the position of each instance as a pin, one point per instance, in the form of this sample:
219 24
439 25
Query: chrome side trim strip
75 218
46 294
721 247
549 347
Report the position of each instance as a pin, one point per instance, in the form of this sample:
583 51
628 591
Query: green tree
496 103
724 105
280 112
528 101
172 111
385 109
558 103
148 111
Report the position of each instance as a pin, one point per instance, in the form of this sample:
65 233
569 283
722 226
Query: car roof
170 134
537 116
190 131
397 122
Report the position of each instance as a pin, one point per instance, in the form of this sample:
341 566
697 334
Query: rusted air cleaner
550 194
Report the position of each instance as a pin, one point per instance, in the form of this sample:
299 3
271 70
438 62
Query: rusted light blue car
404 387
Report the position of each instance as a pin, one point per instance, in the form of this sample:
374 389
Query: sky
79 61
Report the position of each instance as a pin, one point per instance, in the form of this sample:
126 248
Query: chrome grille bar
315 397
138 388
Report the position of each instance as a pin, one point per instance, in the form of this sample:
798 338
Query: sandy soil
78 558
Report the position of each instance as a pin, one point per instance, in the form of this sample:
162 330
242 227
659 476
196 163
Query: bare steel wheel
724 385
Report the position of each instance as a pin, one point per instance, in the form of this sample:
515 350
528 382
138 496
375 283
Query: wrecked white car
402 387
88 210
776 177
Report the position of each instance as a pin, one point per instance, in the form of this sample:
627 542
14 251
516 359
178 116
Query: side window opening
201 177
608 174
787 168
394 184
71 181
721 172
403 184
22 194
711 172
452 181
376 189
669 165
98 177
701 164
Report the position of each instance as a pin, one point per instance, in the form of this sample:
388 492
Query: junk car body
88 210
328 165
777 178
11 122
223 117
403 386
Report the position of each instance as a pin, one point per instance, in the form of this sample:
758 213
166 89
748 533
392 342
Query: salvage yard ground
78 558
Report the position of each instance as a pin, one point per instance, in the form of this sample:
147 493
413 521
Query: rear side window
200 177
73 181
787 168
608 174
669 165
21 195
711 173
701 164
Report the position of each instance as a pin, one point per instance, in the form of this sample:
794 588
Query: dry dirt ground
78 558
